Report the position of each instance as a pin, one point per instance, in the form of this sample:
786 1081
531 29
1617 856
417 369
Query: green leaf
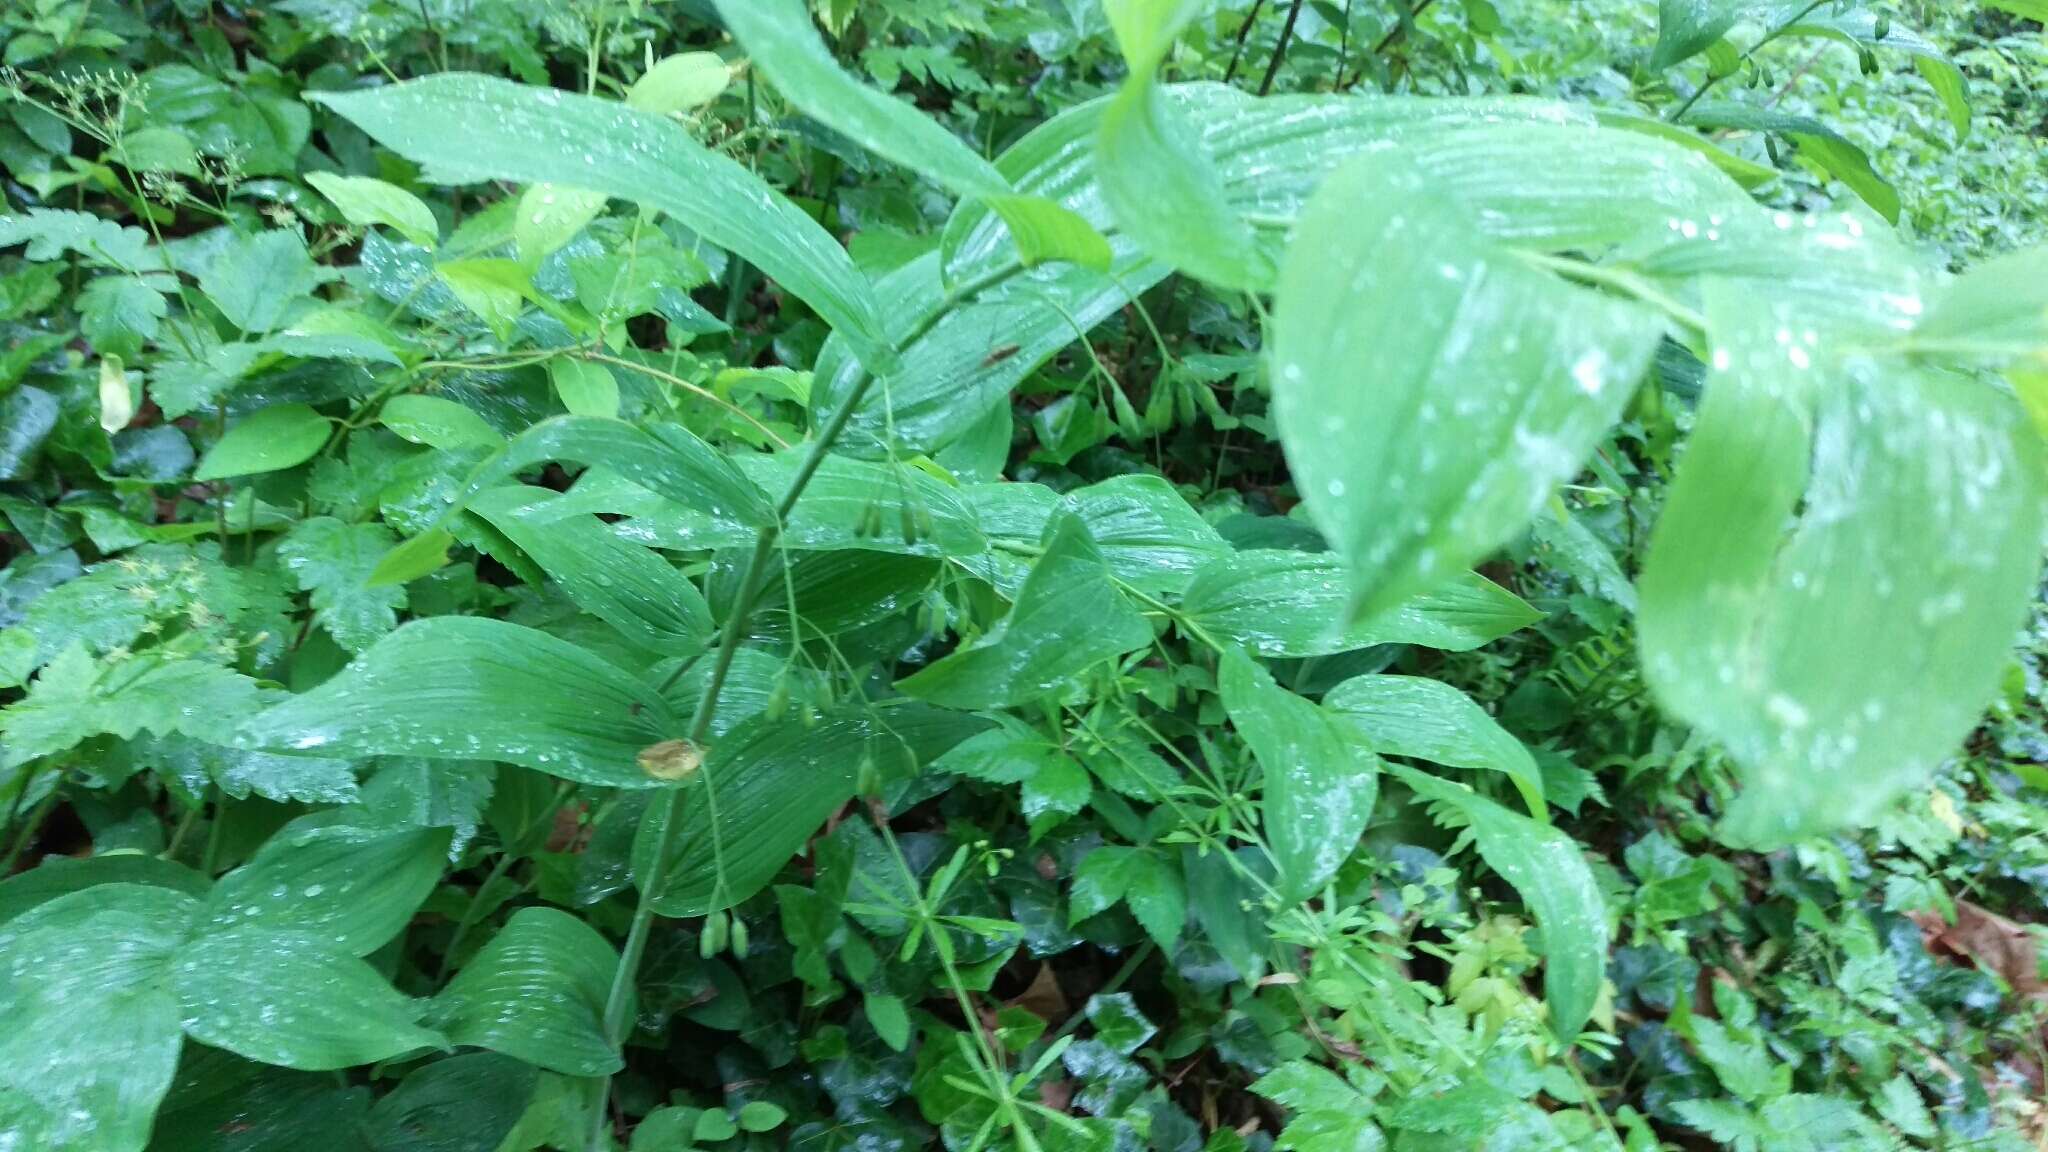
353 887
548 217
238 772
1167 194
1547 869
1999 307
1068 617
554 708
257 279
1686 28
367 201
680 82
1857 28
1423 433
494 289
1829 150
1837 519
890 1020
76 698
1317 781
625 585
536 992
438 422
1281 603
62 875
783 43
270 439
333 561
666 459
1427 719
92 1040
760 1116
292 999
120 314
586 388
467 127
773 784
466 1103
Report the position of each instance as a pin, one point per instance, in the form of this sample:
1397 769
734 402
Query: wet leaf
536 992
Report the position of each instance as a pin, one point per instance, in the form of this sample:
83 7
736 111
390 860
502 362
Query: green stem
735 630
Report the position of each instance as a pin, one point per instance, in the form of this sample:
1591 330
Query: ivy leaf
1837 518
333 561
536 992
1424 434
1068 617
1317 782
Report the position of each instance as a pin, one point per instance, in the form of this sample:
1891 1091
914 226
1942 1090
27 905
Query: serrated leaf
536 992
333 561
418 692
256 279
76 698
1317 781
1423 435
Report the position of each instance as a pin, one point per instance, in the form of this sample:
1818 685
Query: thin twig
1280 49
1244 32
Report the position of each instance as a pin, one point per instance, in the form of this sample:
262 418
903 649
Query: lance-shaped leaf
1998 308
1835 580
1686 28
1547 869
634 590
1317 780
1430 387
769 784
465 688
536 991
464 127
1858 30
1430 720
1068 617
779 35
351 886
1830 151
1281 603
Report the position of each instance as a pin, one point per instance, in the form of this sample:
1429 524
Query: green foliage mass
1223 575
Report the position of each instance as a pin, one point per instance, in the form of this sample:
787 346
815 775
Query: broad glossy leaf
1272 154
666 459
292 999
1281 603
1166 193
1833 585
536 992
419 691
783 43
1548 870
634 590
367 201
62 875
466 1103
1998 308
465 127
267 440
774 783
1317 779
1428 719
438 422
1151 537
1832 152
1686 28
91 1040
1430 388
1068 617
351 886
